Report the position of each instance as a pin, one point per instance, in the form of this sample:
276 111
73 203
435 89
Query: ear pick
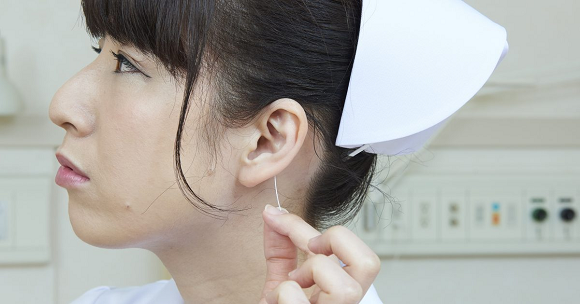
278 200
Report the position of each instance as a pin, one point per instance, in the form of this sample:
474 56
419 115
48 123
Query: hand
284 232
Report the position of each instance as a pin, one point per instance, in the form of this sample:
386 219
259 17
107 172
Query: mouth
69 174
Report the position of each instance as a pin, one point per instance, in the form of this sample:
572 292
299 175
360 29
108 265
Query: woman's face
120 130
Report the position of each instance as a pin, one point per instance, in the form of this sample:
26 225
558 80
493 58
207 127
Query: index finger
293 227
361 261
280 255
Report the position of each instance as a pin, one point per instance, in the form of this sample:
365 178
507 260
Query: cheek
135 150
129 201
134 200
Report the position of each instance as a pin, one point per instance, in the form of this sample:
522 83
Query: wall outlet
538 214
495 214
424 213
394 223
488 201
453 214
565 213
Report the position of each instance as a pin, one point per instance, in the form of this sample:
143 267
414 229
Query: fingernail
291 272
275 211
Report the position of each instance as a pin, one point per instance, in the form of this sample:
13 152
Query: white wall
47 45
499 280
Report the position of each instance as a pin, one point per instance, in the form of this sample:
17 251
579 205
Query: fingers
281 258
335 284
362 263
292 226
287 292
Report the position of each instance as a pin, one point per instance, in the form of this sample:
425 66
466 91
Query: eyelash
122 60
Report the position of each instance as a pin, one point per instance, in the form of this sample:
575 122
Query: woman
203 104
225 106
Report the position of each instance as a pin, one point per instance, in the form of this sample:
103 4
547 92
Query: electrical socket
496 214
513 201
565 213
424 213
453 214
538 214
395 219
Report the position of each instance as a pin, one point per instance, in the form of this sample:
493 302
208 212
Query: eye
124 65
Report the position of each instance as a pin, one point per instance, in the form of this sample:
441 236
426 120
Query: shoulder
163 291
371 297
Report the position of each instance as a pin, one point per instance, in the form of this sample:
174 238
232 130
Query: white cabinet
25 184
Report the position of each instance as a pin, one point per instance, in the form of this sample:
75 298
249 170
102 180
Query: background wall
47 44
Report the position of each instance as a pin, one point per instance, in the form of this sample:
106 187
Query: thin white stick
359 150
276 187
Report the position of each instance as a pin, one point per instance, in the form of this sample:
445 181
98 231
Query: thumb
280 254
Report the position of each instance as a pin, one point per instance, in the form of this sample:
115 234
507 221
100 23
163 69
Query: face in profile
121 114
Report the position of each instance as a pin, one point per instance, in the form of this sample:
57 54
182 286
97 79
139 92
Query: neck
223 261
222 264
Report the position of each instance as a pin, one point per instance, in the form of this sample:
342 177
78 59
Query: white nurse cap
417 62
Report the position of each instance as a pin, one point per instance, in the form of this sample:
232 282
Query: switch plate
453 214
496 214
486 202
424 214
393 218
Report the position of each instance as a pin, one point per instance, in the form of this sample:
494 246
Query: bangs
172 31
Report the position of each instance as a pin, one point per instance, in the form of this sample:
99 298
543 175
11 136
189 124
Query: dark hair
260 51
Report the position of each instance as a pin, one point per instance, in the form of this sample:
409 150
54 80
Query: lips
67 163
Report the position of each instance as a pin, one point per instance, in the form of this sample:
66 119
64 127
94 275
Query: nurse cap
417 62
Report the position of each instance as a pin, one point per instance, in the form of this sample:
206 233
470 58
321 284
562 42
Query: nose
71 107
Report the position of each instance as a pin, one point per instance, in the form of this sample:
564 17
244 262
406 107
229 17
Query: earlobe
278 135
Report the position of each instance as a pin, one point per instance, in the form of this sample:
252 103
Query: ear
277 135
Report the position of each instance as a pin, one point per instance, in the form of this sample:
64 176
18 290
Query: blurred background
486 213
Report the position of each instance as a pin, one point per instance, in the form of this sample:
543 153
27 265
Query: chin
93 230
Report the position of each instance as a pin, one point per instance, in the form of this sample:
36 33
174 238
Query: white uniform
161 292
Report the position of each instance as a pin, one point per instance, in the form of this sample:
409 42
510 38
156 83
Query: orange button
495 218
